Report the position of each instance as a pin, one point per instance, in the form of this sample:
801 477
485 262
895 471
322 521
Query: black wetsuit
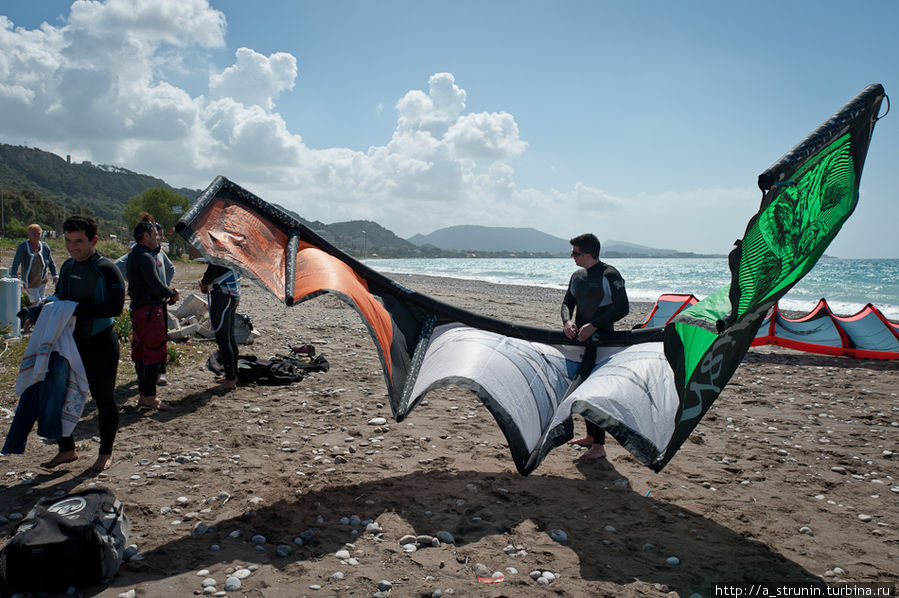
149 295
222 307
97 286
595 295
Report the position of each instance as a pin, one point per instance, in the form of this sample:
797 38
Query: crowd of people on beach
89 295
96 287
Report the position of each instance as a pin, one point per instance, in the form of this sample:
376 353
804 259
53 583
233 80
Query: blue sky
645 122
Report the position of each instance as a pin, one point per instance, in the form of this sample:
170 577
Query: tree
166 208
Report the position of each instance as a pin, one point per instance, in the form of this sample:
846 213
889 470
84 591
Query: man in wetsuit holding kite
595 300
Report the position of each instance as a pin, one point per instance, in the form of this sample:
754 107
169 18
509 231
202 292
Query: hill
40 186
102 188
493 239
496 239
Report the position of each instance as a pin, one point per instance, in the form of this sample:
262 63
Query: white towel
53 332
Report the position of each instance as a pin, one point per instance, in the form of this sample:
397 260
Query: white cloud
254 78
100 86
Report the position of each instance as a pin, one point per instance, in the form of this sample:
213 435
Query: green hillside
39 186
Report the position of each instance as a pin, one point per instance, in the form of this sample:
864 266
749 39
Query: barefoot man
595 300
96 285
149 296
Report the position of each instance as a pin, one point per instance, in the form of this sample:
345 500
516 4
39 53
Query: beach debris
190 319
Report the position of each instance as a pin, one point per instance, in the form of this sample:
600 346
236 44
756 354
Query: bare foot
585 441
102 463
153 402
227 385
60 459
596 453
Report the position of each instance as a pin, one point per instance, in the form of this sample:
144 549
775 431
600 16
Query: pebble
284 550
377 421
672 560
130 551
409 547
445 537
232 583
610 529
242 573
865 518
806 530
209 581
129 594
558 535
259 539
425 540
384 585
337 576
648 546
481 570
342 554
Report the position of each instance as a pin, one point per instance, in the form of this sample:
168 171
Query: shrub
122 325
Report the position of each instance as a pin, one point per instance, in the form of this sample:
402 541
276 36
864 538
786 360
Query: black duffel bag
75 540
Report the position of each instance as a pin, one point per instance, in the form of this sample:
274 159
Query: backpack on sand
76 540
279 370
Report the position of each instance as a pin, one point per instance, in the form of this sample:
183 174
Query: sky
646 122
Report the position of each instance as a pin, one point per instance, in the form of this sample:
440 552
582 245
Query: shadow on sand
647 530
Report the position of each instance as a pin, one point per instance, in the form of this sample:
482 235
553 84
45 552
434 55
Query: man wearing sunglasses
595 300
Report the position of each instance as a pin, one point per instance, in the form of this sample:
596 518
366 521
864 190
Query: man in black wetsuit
595 300
149 295
223 287
96 285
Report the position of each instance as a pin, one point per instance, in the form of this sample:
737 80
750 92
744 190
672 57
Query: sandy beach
792 476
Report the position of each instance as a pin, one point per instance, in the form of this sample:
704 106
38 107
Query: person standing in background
223 287
149 295
33 255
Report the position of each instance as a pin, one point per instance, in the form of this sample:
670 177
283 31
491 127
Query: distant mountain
493 239
497 239
612 248
366 238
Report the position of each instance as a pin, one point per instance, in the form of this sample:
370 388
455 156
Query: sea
847 284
